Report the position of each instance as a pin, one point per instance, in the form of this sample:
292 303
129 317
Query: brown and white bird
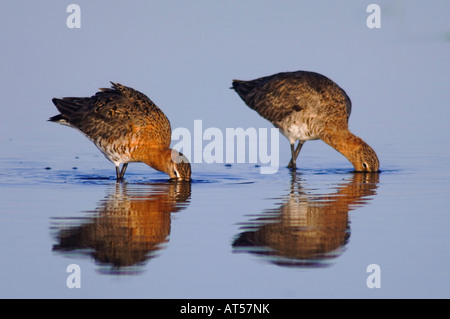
308 106
126 126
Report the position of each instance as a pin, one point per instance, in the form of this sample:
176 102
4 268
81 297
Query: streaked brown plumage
126 126
308 106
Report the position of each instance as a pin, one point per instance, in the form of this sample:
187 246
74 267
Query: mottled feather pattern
277 96
307 106
114 113
126 126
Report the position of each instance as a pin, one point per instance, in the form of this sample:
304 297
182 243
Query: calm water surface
231 233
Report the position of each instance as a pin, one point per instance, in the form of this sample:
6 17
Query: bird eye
365 165
176 173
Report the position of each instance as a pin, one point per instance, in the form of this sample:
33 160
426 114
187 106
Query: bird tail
67 107
244 88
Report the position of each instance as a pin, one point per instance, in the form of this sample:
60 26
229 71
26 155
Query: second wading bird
308 106
126 126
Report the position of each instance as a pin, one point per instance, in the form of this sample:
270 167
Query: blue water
232 232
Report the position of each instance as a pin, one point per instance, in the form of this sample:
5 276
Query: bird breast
117 151
298 128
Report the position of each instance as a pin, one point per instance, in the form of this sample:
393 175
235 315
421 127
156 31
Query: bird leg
294 154
121 173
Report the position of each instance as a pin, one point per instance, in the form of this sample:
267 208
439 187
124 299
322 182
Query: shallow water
232 232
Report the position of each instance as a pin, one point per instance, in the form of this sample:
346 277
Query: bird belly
298 131
117 151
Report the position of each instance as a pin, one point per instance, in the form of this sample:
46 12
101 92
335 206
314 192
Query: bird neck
346 143
159 159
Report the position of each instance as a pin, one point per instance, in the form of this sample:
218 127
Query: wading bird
308 106
126 126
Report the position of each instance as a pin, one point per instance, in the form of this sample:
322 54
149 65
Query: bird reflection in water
127 228
307 230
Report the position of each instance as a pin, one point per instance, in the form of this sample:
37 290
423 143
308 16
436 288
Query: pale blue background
184 54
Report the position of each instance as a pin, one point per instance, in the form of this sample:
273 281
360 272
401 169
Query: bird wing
277 96
116 112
